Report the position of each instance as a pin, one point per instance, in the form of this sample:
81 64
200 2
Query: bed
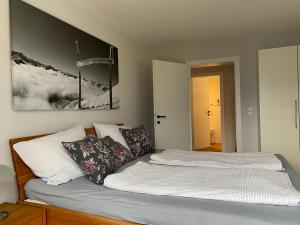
54 215
87 203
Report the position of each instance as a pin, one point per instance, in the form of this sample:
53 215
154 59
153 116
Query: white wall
247 50
134 71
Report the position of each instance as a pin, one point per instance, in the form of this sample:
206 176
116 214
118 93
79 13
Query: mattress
84 196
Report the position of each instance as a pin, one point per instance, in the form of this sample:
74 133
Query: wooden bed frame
55 215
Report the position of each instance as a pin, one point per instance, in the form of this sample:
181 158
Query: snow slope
40 87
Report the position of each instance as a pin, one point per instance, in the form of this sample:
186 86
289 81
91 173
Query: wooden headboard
23 172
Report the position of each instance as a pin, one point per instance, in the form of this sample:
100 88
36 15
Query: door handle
160 116
296 114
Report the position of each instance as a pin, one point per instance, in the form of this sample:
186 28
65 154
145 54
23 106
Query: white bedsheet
236 185
258 160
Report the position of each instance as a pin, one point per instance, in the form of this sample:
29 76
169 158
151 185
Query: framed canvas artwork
56 66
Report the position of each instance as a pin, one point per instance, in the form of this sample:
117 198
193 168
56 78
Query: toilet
212 136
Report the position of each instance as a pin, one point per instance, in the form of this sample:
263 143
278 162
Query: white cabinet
279 102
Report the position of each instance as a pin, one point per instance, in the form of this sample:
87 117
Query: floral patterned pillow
121 154
93 157
138 140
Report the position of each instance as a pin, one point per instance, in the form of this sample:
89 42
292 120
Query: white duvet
257 160
236 185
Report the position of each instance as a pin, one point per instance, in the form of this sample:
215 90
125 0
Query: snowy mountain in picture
42 87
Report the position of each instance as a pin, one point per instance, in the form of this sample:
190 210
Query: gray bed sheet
84 196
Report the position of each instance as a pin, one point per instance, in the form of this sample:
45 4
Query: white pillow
112 131
46 156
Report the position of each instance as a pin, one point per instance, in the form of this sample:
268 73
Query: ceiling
161 23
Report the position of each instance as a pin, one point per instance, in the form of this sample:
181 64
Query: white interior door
171 105
200 108
279 104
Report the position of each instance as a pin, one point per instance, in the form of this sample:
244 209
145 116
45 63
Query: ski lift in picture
92 61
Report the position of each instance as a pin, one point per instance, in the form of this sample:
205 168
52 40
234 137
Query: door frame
236 61
220 74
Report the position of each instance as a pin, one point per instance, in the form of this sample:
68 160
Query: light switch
250 111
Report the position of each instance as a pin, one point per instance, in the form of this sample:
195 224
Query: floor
216 147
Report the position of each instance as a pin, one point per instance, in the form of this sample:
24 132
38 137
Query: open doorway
213 107
206 111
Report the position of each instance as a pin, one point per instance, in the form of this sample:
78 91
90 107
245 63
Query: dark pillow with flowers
93 157
121 154
138 140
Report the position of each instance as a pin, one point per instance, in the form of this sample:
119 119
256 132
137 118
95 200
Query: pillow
93 156
47 158
121 155
112 131
138 140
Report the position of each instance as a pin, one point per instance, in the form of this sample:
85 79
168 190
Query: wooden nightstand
20 214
